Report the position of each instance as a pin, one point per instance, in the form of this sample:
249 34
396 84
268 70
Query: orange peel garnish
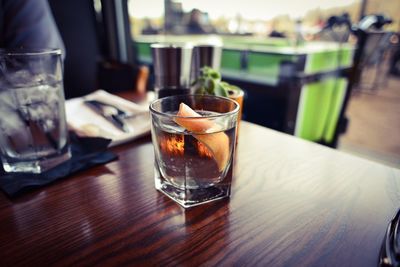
217 143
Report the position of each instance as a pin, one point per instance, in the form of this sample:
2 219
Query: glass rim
24 51
232 112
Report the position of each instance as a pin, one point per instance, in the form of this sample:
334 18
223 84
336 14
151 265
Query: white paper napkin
86 122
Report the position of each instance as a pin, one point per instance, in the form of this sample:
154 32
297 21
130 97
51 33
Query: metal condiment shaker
172 65
205 55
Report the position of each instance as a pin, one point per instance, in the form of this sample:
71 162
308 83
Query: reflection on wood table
294 203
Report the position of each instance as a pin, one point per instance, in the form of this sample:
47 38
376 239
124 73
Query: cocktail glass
194 143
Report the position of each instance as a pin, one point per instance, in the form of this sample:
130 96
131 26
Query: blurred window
227 17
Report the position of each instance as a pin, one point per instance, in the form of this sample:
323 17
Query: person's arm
29 24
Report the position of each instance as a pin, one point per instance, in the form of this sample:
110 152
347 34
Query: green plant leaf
220 91
210 86
209 82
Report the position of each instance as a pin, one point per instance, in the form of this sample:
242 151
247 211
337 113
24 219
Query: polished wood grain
294 203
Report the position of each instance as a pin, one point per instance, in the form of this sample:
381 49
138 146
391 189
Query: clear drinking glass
33 130
194 154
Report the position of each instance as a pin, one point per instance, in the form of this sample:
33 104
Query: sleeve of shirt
30 24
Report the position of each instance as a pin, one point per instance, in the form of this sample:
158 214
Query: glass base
36 166
192 197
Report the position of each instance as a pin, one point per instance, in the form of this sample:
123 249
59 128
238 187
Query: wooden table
294 203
